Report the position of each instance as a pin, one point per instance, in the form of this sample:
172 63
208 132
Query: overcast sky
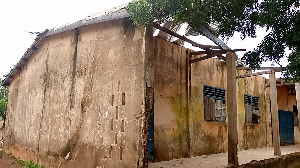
19 17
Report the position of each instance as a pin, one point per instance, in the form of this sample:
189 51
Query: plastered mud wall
80 101
207 137
179 126
253 135
171 131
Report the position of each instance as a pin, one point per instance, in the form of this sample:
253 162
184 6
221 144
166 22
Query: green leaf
281 18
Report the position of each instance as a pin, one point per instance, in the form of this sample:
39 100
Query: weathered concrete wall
170 108
252 135
206 137
180 130
211 137
80 100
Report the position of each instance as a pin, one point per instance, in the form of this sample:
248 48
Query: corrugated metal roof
115 13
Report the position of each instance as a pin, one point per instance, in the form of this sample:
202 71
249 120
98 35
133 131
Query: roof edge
113 14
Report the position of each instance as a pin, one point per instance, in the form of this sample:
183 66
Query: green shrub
31 164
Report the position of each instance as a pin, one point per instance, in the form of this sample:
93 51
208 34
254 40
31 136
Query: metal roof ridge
112 14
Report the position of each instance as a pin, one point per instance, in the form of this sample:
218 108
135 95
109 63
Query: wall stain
179 106
85 104
46 87
68 148
72 92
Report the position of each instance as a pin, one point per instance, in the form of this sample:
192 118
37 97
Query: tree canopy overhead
280 17
3 99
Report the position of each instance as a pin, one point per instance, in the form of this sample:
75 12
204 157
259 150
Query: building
104 93
288 111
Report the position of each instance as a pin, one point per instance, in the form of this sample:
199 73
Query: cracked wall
170 103
80 101
179 126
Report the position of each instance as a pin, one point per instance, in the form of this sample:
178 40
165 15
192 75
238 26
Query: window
214 104
251 109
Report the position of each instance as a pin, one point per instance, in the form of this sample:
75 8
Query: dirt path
220 160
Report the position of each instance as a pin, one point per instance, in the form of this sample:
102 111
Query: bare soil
6 161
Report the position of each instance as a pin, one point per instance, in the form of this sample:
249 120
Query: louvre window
214 104
251 109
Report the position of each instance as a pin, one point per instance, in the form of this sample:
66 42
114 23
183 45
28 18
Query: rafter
254 74
203 58
277 69
210 51
195 44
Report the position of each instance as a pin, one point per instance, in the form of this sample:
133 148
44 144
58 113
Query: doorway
286 127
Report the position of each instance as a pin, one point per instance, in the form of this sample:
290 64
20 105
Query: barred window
214 103
251 109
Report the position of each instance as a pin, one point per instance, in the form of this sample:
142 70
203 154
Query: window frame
214 100
251 106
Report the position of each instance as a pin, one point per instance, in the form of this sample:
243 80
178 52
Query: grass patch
29 164
22 163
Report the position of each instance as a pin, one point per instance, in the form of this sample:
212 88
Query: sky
19 17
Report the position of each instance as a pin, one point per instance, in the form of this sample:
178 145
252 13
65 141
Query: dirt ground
6 161
220 160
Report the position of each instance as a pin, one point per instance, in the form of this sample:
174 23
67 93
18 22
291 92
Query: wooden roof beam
195 44
253 74
263 68
203 58
221 57
215 51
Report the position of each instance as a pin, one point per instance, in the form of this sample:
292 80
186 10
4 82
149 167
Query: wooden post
232 109
297 88
274 112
